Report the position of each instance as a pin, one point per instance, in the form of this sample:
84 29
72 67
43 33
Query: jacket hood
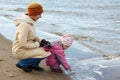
57 45
23 19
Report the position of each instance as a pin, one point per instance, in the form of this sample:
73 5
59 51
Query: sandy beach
8 70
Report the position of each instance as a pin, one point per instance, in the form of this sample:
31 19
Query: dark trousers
30 62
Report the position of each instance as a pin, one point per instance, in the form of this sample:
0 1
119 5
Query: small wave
7 16
18 9
102 28
13 9
87 38
111 30
105 55
88 71
67 12
57 33
104 7
78 38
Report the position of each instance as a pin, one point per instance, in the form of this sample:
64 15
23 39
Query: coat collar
28 18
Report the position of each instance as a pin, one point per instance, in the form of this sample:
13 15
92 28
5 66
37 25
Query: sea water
94 24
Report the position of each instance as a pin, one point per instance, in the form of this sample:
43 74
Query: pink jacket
57 56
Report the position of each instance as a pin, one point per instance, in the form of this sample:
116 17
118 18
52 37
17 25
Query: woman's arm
22 37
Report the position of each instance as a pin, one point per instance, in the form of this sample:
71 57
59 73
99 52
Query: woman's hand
45 43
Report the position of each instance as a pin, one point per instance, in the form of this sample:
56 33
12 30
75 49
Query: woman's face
35 18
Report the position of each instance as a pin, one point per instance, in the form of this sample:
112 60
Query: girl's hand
70 71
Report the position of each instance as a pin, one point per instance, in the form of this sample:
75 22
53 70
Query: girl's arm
61 59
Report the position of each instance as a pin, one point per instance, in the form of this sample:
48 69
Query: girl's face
65 47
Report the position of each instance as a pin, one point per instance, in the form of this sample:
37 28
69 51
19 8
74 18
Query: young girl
57 56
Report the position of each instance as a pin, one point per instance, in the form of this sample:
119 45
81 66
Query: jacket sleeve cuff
37 44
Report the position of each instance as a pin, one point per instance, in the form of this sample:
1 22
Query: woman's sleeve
37 39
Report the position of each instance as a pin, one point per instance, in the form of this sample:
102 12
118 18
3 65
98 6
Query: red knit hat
34 9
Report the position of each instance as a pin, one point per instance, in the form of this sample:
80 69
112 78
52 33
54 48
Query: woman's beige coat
26 43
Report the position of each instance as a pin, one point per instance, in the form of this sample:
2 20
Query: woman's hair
34 9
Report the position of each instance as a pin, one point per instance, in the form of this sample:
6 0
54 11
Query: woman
27 47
